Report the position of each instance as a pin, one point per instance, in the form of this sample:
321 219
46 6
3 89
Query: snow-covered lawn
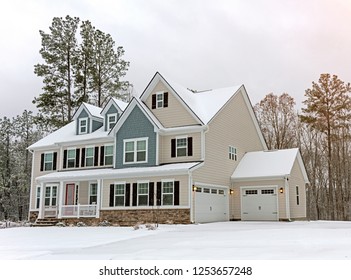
228 240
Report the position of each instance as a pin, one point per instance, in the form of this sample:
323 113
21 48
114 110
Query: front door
71 194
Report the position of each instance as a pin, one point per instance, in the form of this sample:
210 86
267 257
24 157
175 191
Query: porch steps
46 222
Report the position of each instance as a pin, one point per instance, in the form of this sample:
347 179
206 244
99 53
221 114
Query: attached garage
259 203
211 204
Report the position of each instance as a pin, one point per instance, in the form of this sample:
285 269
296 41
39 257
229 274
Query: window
220 191
168 193
213 191
83 126
108 155
233 153
37 198
48 161
159 100
71 158
143 194
297 196
250 192
119 194
181 147
135 151
198 189
89 156
50 195
206 190
111 120
93 193
271 191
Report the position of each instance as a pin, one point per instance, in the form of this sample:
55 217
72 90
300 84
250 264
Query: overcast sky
267 45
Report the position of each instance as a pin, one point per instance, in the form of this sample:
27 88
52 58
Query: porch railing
79 210
50 211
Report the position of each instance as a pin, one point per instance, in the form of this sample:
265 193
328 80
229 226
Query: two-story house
171 155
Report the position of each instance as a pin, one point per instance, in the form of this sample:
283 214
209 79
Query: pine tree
328 110
56 103
107 70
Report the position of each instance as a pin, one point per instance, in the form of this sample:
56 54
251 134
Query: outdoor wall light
231 191
281 190
194 188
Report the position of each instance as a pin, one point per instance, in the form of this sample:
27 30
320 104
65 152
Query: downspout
287 198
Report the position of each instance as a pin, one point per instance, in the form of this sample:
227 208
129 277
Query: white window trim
52 162
124 194
85 159
97 191
186 145
37 189
160 93
162 193
75 151
135 140
233 153
147 194
113 149
108 120
80 126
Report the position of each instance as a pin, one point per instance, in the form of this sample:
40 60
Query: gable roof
92 110
136 102
203 105
121 105
268 165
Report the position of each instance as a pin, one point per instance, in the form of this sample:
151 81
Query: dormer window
111 120
83 126
160 100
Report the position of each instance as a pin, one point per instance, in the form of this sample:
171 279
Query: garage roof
268 165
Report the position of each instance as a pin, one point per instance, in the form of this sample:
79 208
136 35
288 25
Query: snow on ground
217 241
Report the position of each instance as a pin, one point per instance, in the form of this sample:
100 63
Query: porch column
42 202
60 200
98 199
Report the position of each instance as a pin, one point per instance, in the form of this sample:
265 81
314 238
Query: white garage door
211 204
259 203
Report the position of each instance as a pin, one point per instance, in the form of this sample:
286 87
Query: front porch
61 200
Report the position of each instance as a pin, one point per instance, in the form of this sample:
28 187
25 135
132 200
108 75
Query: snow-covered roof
110 173
268 164
121 104
94 111
68 134
205 104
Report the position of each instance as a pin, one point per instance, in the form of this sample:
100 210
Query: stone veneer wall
33 215
132 217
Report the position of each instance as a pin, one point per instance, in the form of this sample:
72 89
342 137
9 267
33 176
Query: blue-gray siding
111 110
137 125
82 115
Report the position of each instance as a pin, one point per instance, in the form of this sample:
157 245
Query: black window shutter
54 164
159 193
153 106
173 148
96 156
151 193
64 158
165 99
42 162
82 164
102 155
112 195
135 194
77 157
176 193
190 146
127 196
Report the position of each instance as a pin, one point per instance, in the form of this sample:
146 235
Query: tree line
322 132
80 63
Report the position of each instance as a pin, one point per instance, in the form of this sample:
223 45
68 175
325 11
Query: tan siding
83 193
232 126
183 189
175 114
296 179
165 149
235 204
